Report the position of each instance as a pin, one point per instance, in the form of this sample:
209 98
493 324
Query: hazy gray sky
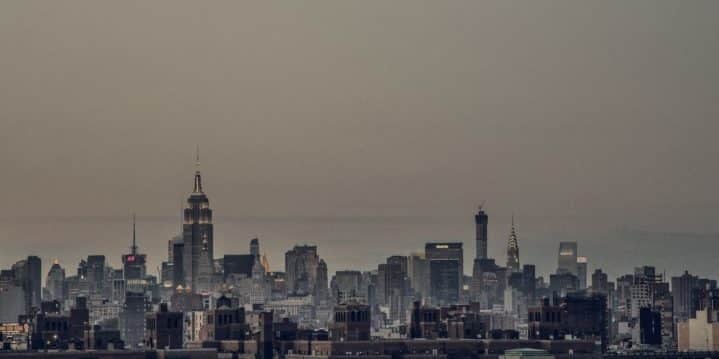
368 127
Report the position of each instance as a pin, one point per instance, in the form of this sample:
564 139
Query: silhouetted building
352 322
301 264
600 282
80 322
650 327
226 322
445 271
481 221
164 329
238 264
578 315
132 319
425 322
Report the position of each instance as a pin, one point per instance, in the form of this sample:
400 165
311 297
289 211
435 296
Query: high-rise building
418 272
321 291
347 285
134 268
513 250
27 273
445 271
255 247
529 282
301 264
55 283
397 287
567 258
197 238
176 258
481 220
682 289
444 282
132 319
600 281
96 273
582 272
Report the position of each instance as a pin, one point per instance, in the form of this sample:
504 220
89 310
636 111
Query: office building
301 264
481 220
582 272
55 283
445 272
567 258
134 267
197 238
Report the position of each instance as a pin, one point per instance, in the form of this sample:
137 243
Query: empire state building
197 256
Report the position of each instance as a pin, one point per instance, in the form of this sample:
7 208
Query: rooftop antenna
197 156
133 249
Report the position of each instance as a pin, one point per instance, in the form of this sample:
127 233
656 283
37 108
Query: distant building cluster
411 305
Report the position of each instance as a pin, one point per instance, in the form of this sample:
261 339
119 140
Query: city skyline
455 179
546 263
582 120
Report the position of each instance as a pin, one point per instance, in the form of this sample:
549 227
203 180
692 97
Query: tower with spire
197 229
134 265
513 250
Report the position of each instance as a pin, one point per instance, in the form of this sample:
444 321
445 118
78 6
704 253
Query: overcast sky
367 127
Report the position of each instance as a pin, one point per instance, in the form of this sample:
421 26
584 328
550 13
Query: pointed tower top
133 249
197 157
198 178
513 249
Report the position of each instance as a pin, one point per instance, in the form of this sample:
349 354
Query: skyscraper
582 272
95 272
27 273
480 222
682 289
255 247
197 229
301 269
513 250
445 271
55 283
134 268
567 258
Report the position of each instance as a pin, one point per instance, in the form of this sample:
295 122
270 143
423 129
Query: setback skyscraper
197 248
513 250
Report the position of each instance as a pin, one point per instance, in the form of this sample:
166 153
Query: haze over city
365 128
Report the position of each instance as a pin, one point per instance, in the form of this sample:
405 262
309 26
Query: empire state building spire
198 178
513 250
197 264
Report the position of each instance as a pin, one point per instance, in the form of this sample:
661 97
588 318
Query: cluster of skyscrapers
200 299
